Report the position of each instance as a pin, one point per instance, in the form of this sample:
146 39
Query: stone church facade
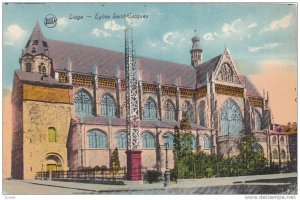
69 108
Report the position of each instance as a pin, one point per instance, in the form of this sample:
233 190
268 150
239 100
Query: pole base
134 165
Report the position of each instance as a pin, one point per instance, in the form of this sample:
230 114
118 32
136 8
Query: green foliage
152 176
115 161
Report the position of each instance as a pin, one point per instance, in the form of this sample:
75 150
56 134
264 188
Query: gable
226 69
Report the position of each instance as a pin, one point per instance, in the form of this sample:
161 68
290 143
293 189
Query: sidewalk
182 183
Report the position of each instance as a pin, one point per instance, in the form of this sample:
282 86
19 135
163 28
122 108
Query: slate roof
207 68
38 79
122 122
84 57
251 89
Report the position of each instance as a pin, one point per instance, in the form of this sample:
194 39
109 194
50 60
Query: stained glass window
121 140
97 139
169 139
148 140
150 110
202 113
83 103
51 135
282 140
28 67
231 119
188 111
169 111
226 73
108 108
207 143
257 121
275 154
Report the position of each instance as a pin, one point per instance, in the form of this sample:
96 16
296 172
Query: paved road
263 184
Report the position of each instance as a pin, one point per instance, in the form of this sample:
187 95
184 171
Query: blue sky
255 33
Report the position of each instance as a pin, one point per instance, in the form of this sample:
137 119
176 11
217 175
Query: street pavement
257 184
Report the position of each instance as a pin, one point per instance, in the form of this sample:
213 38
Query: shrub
152 175
208 172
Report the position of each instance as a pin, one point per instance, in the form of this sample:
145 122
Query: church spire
196 51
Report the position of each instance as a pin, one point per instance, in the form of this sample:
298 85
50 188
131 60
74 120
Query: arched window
274 140
202 113
148 140
108 108
42 69
275 154
121 140
83 103
150 109
97 139
282 140
231 119
207 142
51 134
257 121
226 73
169 111
194 142
258 148
282 154
169 139
188 111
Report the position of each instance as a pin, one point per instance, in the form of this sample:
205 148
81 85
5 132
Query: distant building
69 107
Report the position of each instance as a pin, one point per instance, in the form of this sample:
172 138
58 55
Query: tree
114 161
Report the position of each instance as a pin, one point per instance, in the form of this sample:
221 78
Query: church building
69 107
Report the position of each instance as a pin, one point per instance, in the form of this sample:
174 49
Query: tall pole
132 109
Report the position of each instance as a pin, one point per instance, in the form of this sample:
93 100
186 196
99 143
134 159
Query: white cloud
208 36
173 37
13 34
252 25
100 33
62 22
152 44
284 22
229 28
113 26
265 46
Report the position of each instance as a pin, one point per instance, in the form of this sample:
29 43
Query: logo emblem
50 21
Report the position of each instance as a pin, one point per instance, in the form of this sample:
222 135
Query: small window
148 140
274 140
28 67
46 51
51 135
35 42
33 50
282 140
45 44
42 69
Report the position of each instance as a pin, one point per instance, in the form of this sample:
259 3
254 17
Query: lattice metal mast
132 96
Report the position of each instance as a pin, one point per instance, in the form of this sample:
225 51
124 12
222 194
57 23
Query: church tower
196 52
36 57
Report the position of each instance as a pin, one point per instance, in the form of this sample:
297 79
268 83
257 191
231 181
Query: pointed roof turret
37 43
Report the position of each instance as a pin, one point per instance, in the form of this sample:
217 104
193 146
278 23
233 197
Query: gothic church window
282 154
231 119
148 140
121 140
274 140
202 113
169 111
194 142
108 107
282 140
83 103
51 135
169 139
207 143
257 121
188 111
275 154
150 109
97 139
226 73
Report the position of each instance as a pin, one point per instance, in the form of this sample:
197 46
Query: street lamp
167 171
